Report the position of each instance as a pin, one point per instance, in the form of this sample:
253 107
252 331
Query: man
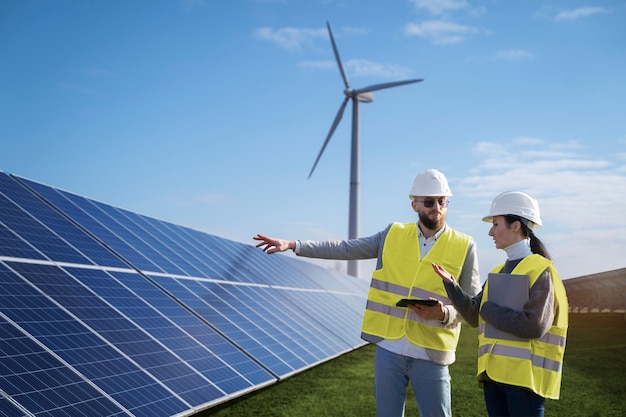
418 342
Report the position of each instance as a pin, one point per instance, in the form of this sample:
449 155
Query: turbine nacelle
366 97
362 96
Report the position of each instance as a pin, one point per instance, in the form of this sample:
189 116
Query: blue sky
210 114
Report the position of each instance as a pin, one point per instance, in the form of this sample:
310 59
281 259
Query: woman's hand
441 271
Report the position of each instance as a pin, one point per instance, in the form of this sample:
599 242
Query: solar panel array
105 312
603 291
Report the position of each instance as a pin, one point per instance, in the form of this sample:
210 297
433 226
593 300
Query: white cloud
579 13
439 31
361 68
437 7
581 198
572 254
291 39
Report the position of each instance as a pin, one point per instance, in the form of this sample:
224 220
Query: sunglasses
430 202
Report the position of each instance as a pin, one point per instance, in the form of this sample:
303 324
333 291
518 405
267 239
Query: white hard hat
516 203
430 183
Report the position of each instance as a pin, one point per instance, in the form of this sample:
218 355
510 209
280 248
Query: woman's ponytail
536 245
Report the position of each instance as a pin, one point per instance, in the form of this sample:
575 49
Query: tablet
406 301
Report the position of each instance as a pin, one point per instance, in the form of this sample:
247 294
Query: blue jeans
430 382
504 400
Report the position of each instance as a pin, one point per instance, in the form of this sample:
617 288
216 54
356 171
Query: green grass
593 380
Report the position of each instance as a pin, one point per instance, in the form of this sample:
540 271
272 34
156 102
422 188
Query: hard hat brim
531 224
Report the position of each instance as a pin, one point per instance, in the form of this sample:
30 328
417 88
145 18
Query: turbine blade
337 58
330 133
376 87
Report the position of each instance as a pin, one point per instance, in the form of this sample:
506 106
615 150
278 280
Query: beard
430 224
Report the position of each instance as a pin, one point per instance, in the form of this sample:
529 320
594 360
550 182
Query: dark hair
536 245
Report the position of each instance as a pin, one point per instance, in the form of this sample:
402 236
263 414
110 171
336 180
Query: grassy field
593 380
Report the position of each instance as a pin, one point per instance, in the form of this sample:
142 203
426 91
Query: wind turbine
357 96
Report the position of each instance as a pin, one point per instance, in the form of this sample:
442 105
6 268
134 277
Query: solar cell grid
295 323
299 325
160 239
314 273
356 286
131 240
11 245
84 248
249 312
266 269
209 253
149 353
201 257
227 255
241 330
83 349
79 216
332 312
36 380
257 317
156 250
37 234
146 313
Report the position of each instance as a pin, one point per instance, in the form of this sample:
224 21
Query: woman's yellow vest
404 274
535 363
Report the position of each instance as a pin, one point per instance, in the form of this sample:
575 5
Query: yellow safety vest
535 363
404 274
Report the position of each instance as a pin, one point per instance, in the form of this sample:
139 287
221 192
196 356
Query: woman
521 366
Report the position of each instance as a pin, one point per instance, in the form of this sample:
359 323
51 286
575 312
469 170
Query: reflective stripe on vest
404 274
536 363
521 353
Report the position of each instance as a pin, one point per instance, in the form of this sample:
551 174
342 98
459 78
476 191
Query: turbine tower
356 95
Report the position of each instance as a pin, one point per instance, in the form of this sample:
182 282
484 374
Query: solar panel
109 312
59 342
44 385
